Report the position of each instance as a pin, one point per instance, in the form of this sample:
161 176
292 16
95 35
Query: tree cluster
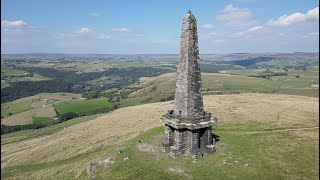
64 81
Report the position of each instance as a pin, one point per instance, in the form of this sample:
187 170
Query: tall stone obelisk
188 97
188 126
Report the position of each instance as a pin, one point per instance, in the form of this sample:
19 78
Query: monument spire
188 97
188 126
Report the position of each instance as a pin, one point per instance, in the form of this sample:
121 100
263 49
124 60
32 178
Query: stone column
194 149
168 138
210 148
168 135
179 143
209 135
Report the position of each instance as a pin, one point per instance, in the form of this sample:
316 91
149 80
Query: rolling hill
261 136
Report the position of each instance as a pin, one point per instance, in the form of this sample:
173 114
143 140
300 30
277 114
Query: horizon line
297 52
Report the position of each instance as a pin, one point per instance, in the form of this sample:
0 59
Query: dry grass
26 116
65 154
269 110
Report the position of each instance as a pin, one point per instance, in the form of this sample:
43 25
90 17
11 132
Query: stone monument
188 127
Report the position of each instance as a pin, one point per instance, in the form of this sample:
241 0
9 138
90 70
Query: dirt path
45 102
280 130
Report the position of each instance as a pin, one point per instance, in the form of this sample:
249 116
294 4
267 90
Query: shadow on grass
216 137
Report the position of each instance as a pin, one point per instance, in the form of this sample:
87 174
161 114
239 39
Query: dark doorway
201 138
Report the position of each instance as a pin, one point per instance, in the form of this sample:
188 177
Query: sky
154 27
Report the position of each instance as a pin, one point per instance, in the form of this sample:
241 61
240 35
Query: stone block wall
196 142
168 139
193 143
180 142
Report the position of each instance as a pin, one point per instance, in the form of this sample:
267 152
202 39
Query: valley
76 116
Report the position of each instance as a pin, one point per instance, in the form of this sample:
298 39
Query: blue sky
154 27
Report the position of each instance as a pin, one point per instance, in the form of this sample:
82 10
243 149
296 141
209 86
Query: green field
41 120
255 156
15 108
298 78
11 72
82 106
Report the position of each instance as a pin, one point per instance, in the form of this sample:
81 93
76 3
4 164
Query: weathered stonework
188 127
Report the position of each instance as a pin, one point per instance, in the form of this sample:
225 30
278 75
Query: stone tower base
188 135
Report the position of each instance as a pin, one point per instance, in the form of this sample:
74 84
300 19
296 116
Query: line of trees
9 129
71 115
269 75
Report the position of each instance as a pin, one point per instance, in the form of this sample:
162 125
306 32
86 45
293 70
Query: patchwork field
11 75
22 111
26 117
261 136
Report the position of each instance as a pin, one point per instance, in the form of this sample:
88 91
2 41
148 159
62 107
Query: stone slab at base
210 149
165 147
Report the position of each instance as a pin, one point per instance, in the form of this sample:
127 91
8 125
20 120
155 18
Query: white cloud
247 33
219 41
83 30
207 26
15 30
120 30
296 18
210 34
312 34
95 14
103 36
230 8
238 34
255 28
236 17
17 23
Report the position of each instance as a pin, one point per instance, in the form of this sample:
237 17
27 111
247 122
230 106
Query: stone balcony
177 122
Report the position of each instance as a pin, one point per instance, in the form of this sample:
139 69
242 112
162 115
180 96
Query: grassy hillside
269 155
155 89
261 136
82 106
